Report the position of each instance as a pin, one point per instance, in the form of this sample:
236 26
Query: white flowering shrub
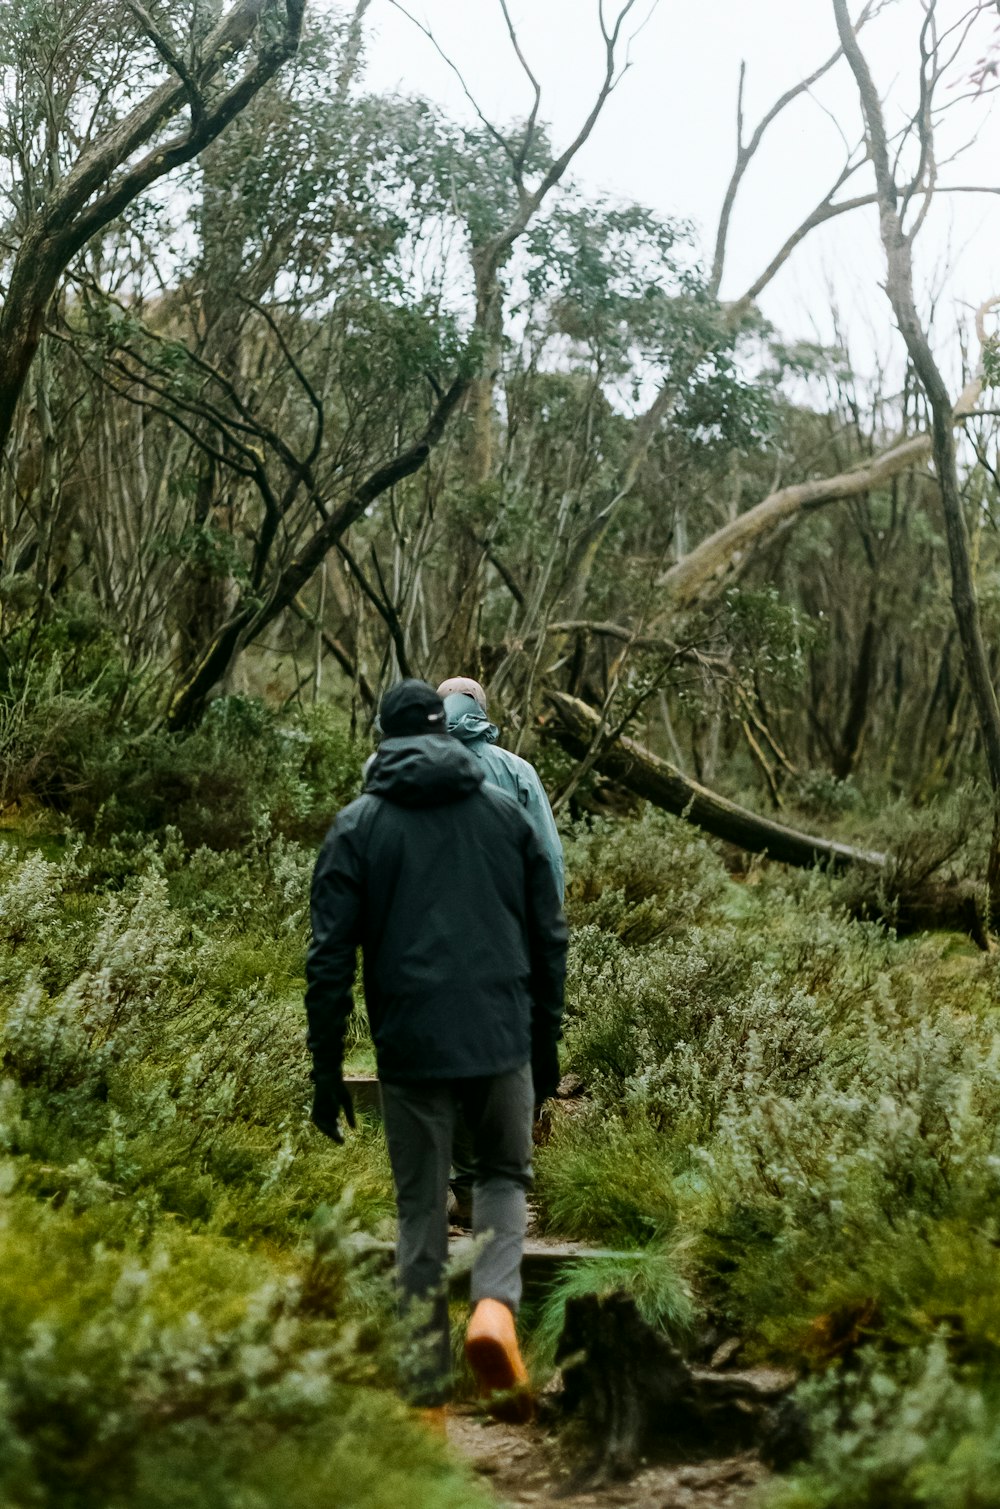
180 1325
921 1434
182 1371
643 880
795 1113
30 887
807 1111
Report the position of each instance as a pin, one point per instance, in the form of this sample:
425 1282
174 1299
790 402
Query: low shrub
608 1179
79 733
654 1277
944 843
808 1108
790 1121
185 1319
642 880
821 794
246 769
182 1371
918 1432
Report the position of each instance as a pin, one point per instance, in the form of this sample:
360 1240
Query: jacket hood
467 721
424 770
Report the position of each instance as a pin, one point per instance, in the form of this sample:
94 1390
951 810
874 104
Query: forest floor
524 1465
529 1464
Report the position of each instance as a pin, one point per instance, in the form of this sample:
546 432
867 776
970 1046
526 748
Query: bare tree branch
529 130
746 151
172 59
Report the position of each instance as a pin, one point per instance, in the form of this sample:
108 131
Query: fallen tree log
659 782
955 906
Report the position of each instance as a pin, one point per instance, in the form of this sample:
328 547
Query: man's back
451 898
468 723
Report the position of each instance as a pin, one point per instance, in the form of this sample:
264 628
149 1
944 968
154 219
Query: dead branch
661 783
746 151
702 571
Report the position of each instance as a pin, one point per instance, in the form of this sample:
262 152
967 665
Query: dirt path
523 1465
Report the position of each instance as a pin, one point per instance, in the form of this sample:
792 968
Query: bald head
463 686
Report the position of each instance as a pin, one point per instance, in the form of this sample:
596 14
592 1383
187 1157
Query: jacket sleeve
547 936
336 933
539 813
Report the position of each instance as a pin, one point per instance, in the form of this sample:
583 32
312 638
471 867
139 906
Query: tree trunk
635 1394
852 734
899 288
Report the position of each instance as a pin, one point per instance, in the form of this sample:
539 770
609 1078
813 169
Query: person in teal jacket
465 708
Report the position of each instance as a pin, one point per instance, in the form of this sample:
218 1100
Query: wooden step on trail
545 1259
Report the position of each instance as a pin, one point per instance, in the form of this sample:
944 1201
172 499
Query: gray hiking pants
419 1118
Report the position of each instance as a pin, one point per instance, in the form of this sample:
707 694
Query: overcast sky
667 136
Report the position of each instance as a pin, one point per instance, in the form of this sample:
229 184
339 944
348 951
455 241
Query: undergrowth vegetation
185 1318
789 1132
802 1114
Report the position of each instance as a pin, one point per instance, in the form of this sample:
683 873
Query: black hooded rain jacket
442 882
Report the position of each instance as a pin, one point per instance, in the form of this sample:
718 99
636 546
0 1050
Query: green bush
603 1178
80 735
891 1438
943 842
61 678
654 1277
169 1061
641 880
790 1122
183 1319
245 770
185 1372
819 793
809 1109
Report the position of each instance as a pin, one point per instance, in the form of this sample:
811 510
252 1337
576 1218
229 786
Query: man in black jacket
442 882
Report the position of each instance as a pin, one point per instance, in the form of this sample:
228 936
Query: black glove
545 1070
331 1096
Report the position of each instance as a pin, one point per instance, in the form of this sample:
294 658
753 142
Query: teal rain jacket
468 722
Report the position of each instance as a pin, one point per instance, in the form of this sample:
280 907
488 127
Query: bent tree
62 201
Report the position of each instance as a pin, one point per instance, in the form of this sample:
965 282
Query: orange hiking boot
495 1358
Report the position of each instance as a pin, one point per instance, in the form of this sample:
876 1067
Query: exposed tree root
635 1395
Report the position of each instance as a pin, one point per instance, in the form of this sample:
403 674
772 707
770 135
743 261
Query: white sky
667 137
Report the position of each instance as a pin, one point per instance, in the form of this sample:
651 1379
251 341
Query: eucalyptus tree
744 538
104 98
323 359
903 198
